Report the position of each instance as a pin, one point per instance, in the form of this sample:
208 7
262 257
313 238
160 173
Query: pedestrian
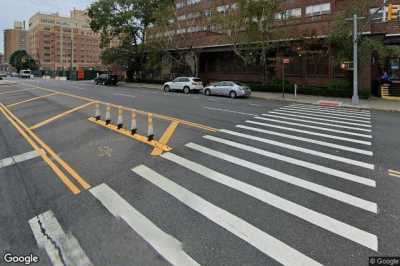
385 78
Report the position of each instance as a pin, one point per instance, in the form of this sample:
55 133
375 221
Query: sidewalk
374 103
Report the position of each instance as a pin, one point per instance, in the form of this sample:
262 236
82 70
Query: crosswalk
314 165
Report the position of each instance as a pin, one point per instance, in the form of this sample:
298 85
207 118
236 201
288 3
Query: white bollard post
150 129
120 121
133 123
108 114
97 114
295 90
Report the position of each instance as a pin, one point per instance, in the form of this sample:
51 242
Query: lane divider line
254 236
128 133
18 159
289 179
51 119
321 220
165 138
166 245
227 111
67 182
61 248
48 150
33 99
164 117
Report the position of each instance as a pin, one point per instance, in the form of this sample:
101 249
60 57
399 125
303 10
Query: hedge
336 88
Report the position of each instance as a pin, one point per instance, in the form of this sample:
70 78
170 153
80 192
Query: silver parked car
232 89
185 84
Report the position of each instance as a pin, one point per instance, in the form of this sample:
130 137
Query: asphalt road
277 183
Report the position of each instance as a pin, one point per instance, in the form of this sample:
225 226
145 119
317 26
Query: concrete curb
156 87
343 106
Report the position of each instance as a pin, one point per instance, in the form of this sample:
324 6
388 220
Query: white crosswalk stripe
63 249
320 123
322 143
166 245
289 117
313 127
310 132
264 242
330 110
287 159
321 220
319 189
286 178
324 114
332 117
300 149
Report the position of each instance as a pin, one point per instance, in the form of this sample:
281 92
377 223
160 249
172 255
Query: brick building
14 39
299 25
58 42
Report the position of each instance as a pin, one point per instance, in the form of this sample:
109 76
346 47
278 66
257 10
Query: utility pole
384 11
355 99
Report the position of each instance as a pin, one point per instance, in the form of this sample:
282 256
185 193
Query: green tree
249 25
340 38
127 21
22 60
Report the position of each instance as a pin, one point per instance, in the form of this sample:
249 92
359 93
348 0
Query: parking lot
247 182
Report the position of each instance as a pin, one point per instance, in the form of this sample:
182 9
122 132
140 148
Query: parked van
25 74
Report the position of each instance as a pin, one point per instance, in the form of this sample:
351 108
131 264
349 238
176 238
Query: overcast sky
12 10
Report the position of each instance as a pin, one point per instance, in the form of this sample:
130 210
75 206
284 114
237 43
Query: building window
316 10
193 2
208 13
287 14
376 14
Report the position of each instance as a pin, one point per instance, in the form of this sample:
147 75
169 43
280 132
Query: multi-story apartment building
301 28
58 42
15 39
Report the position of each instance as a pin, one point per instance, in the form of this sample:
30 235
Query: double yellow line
45 151
394 173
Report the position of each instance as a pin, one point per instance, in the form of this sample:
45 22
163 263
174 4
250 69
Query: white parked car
228 88
185 84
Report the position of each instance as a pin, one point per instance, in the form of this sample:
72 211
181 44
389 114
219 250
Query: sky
12 10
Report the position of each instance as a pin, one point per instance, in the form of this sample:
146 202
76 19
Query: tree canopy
127 21
22 60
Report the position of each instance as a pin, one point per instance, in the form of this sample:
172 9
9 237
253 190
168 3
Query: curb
343 106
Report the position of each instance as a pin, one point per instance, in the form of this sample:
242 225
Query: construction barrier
159 146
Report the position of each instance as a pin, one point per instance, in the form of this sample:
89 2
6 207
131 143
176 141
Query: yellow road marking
165 137
394 172
51 119
6 92
68 183
33 99
395 175
394 98
71 171
127 133
164 117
